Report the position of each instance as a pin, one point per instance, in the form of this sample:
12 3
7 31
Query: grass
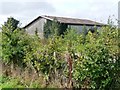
0 44
7 82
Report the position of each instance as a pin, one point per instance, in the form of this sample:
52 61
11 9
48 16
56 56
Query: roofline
32 22
87 24
97 23
44 16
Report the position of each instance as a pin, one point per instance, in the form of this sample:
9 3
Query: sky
27 10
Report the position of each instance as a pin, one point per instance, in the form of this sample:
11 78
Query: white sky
27 10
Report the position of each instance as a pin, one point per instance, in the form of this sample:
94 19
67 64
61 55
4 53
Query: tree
54 28
14 42
11 24
47 29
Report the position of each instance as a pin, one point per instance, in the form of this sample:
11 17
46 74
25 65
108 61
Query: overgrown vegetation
54 27
91 61
0 45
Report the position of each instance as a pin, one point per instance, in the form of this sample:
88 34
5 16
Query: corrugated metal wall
80 28
38 25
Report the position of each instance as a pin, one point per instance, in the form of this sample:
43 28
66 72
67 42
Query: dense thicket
95 58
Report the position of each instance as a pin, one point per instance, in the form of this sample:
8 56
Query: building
78 24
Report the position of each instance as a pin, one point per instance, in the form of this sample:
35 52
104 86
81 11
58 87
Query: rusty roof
70 21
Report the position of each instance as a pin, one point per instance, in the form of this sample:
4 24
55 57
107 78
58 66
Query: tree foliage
11 24
54 27
14 42
95 56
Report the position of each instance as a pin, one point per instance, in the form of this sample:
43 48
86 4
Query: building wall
80 28
37 25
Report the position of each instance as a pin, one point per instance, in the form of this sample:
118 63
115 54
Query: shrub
97 65
95 57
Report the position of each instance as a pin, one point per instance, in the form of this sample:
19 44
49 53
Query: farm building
78 24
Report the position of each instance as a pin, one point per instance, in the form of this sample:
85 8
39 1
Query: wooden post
69 61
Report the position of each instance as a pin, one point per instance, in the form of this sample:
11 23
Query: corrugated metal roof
71 21
74 20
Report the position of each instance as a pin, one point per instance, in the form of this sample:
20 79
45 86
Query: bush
97 65
95 57
15 43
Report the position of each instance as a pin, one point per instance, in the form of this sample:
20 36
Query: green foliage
11 24
46 58
0 45
97 65
7 82
47 30
95 56
55 27
95 62
14 43
52 28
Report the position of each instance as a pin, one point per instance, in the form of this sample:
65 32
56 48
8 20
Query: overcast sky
27 10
